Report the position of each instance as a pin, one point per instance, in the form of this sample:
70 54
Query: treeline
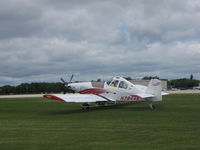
32 88
183 83
43 87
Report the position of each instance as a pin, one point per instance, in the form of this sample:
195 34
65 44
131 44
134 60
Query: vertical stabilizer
155 88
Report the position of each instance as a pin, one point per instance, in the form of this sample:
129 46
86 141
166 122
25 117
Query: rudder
155 88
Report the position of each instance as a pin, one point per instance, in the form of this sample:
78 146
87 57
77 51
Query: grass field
37 123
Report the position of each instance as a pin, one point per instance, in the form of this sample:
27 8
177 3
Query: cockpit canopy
118 82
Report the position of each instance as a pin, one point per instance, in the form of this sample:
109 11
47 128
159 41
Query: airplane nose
69 89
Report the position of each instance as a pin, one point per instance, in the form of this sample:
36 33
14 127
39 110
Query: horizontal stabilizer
164 93
143 95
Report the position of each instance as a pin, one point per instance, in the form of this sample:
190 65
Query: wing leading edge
76 98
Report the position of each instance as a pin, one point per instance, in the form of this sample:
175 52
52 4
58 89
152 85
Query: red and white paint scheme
116 90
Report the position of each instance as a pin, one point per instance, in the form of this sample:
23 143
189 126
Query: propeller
67 88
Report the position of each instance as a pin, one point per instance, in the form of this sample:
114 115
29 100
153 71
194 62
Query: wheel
85 106
152 106
100 103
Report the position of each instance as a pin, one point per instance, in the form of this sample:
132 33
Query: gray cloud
43 40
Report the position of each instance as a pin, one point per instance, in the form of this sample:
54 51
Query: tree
191 77
150 77
7 89
98 80
33 88
183 83
128 78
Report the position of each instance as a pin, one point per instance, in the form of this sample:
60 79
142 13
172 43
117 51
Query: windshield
114 83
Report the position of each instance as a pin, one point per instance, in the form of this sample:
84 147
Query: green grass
37 123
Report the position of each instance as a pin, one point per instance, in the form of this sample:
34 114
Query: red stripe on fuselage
93 91
137 96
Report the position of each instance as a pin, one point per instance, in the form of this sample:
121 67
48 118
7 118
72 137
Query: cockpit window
123 85
114 83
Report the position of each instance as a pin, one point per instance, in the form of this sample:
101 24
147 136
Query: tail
155 88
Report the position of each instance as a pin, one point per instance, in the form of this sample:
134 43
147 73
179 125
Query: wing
77 98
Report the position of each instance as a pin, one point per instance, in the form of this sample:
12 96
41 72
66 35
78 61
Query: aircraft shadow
132 107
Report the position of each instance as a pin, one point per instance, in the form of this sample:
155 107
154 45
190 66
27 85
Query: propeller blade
67 88
63 80
71 78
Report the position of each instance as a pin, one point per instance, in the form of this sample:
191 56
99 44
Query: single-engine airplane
117 90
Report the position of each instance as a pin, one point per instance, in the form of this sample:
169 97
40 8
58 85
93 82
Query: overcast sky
43 40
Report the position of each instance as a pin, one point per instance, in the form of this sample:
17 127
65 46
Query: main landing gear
100 103
85 106
151 106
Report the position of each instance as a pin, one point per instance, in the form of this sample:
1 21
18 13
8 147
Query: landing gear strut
152 106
